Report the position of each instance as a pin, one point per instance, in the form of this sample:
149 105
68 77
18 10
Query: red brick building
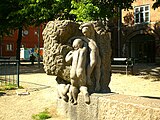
8 44
140 36
141 32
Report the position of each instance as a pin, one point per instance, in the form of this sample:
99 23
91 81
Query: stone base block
111 107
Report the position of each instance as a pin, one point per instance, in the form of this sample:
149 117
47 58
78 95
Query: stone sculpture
79 55
78 72
94 57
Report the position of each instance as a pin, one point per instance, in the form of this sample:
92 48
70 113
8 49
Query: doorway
142 48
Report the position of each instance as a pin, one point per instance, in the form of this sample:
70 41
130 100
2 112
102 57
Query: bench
4 58
123 63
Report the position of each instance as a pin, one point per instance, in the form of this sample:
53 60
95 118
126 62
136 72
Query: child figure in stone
78 70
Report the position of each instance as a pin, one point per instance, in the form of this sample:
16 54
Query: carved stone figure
78 70
79 55
62 90
94 57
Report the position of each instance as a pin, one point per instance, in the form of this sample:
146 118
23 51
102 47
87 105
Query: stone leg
74 91
70 95
85 93
62 91
97 76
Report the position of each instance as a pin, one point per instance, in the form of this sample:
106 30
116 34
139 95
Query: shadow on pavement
150 69
2 93
28 68
150 97
35 86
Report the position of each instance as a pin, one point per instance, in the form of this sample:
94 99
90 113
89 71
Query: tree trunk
19 43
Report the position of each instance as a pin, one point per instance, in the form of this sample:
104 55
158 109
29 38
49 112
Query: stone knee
74 92
83 89
85 93
92 63
62 90
79 73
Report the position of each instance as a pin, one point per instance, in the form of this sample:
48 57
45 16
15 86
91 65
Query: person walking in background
32 59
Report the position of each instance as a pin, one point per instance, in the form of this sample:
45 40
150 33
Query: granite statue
80 56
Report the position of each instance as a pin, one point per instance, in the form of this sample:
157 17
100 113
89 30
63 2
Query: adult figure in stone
94 60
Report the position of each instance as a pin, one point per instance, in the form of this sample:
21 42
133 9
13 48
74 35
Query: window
142 14
9 47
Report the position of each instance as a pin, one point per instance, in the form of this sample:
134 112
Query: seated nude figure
62 90
78 71
95 60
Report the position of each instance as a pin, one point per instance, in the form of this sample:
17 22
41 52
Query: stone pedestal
111 107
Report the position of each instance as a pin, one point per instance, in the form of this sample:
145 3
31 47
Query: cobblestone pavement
42 89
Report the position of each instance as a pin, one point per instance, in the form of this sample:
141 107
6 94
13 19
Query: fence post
18 73
7 69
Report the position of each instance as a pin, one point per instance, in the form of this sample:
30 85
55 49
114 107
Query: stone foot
86 98
75 103
65 98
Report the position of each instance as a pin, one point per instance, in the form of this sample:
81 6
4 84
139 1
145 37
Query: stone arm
69 56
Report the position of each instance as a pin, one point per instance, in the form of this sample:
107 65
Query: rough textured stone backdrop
57 43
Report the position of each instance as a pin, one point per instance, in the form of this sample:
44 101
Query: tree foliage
98 9
16 14
85 10
156 4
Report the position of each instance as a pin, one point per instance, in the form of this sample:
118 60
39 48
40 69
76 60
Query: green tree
17 14
156 4
86 10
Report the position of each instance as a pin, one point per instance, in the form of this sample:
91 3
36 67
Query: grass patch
42 115
8 87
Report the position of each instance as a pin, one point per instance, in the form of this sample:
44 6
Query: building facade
30 39
140 37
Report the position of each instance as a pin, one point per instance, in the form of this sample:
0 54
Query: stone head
87 29
77 43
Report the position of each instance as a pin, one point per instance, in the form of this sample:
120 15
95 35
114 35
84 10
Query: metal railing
9 72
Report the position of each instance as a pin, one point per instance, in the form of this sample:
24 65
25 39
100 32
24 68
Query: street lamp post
38 46
1 45
119 30
38 35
